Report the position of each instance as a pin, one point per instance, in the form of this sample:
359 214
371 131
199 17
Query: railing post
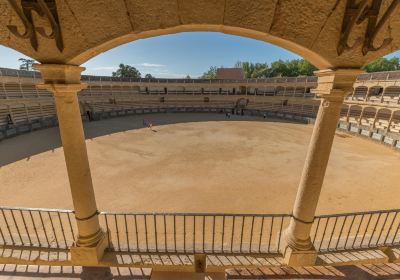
200 262
333 86
64 82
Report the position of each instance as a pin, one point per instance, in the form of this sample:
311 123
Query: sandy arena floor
198 163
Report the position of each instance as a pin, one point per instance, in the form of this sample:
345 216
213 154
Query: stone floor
354 272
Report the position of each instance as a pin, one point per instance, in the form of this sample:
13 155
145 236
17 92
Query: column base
89 256
294 257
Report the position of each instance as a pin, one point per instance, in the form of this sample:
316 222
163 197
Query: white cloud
151 65
104 68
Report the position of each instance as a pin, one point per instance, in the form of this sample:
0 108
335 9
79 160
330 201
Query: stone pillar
333 86
361 116
64 82
390 121
375 119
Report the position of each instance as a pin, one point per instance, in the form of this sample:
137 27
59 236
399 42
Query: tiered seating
309 94
343 112
13 90
382 119
4 112
375 94
3 94
368 116
354 114
44 93
290 91
395 124
391 95
360 93
299 92
29 91
19 114
297 108
280 91
310 110
48 110
24 104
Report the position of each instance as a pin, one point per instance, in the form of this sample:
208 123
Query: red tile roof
230 73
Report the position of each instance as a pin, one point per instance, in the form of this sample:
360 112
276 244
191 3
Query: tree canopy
210 74
149 76
383 64
279 68
127 71
26 64
296 67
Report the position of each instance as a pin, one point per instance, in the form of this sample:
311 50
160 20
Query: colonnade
382 90
64 81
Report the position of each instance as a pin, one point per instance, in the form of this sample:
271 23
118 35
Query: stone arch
391 94
88 29
382 118
313 57
395 124
344 111
355 113
360 92
368 116
375 93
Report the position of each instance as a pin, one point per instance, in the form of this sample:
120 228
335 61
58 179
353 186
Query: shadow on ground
388 271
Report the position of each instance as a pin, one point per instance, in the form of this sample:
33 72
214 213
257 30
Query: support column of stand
64 82
333 87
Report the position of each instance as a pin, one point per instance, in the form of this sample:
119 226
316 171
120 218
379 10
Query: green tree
306 68
210 73
127 71
149 76
187 77
253 70
383 64
26 64
279 68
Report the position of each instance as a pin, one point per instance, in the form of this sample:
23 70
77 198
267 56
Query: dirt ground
198 163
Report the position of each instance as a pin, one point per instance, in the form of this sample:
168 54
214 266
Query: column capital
62 89
60 73
335 84
61 79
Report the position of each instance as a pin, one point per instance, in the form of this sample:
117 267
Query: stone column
333 87
375 119
361 116
64 82
390 121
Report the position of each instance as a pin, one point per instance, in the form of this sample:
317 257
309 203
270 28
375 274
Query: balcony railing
199 233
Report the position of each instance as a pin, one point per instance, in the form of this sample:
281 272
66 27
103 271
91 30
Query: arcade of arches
337 36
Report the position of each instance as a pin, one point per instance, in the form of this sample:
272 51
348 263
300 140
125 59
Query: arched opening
395 124
360 93
375 94
304 52
368 117
383 118
391 94
355 114
343 112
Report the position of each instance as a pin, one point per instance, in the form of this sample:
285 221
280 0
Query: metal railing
199 233
34 227
194 233
352 231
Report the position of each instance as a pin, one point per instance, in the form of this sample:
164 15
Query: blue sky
176 55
